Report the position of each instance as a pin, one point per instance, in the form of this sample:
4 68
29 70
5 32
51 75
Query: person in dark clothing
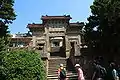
118 69
109 74
112 72
61 73
99 71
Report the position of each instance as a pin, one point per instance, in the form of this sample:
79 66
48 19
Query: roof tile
34 25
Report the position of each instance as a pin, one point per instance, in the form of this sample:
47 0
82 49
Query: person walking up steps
80 72
61 73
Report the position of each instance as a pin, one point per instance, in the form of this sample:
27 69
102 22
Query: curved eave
55 17
76 24
23 39
35 26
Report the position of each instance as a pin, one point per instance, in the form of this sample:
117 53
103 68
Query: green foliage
4 33
23 65
105 18
7 13
3 50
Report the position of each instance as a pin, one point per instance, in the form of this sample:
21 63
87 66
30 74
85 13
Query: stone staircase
53 68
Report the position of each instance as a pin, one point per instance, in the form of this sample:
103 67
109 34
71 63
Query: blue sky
29 11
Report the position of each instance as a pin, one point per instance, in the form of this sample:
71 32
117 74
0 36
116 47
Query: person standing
62 73
118 70
112 72
99 71
79 72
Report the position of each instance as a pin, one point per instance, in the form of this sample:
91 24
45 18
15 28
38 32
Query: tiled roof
56 17
24 39
76 24
34 25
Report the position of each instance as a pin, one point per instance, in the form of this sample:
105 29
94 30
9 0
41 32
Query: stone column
67 46
77 47
77 50
13 44
47 42
45 46
79 39
34 41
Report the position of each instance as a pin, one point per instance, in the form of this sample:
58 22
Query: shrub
24 65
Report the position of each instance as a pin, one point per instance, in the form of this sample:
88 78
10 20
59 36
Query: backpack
62 73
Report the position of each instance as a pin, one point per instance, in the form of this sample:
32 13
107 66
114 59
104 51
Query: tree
23 65
7 15
102 32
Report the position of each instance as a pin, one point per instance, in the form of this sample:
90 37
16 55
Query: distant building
21 40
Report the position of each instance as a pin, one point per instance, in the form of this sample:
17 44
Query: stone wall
45 61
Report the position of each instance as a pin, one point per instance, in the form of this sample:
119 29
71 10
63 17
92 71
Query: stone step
53 69
68 74
57 63
74 77
56 57
69 77
54 60
52 72
55 72
51 64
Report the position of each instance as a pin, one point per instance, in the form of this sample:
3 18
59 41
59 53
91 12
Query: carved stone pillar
79 39
77 50
47 42
67 47
34 41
